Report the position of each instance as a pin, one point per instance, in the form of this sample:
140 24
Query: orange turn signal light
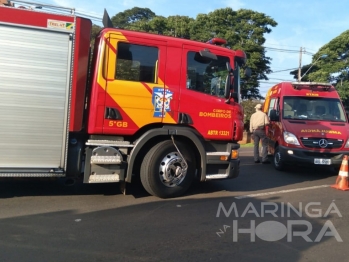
223 158
234 154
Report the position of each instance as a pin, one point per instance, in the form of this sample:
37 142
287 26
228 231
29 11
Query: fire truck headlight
291 139
347 144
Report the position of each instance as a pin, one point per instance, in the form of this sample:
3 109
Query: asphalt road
263 215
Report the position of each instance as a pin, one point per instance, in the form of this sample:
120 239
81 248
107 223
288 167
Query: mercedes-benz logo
323 143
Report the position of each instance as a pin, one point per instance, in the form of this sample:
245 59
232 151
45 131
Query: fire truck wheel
278 163
164 173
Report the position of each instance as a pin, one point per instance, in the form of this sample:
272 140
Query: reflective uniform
259 120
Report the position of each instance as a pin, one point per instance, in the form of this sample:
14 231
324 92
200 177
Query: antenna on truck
107 23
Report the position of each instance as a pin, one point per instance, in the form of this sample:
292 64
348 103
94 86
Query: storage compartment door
34 92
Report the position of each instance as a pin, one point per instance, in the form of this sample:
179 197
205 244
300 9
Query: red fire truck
162 108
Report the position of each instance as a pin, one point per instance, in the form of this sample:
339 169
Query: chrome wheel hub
172 170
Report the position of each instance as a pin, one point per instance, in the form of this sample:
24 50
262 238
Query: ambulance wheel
163 171
277 160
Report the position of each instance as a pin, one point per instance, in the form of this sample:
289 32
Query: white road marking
282 191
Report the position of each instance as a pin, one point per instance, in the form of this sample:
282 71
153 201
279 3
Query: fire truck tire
277 160
163 169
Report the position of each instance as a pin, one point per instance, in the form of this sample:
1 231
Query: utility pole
300 64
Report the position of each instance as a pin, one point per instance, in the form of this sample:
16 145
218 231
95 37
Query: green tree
128 17
180 26
158 25
334 68
94 32
243 29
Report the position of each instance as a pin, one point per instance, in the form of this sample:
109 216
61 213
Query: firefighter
258 123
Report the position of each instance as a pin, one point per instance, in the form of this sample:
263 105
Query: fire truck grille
320 142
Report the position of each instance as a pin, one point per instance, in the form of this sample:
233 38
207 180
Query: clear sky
307 24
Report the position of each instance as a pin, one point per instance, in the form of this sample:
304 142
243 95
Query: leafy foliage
334 68
95 31
130 16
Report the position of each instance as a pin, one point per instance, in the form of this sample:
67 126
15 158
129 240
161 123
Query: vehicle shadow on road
51 187
255 177
167 230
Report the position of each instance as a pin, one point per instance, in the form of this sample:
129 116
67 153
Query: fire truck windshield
313 108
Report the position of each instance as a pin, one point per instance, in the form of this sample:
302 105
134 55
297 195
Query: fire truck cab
308 126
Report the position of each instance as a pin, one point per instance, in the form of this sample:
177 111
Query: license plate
322 161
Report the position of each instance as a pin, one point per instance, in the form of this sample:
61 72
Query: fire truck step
104 178
106 160
109 143
15 175
216 176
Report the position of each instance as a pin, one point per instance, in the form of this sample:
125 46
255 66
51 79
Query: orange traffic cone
342 179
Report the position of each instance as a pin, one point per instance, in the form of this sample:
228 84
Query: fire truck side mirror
273 115
228 87
235 96
248 72
228 90
227 93
228 67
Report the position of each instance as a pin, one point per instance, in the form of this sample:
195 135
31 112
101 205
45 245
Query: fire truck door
202 93
135 85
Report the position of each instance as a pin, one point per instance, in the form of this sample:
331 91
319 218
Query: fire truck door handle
185 119
112 113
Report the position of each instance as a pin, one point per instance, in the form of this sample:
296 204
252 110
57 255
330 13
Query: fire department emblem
161 101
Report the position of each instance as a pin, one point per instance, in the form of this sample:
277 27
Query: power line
278 45
281 50
279 79
289 69
286 50
273 82
283 45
